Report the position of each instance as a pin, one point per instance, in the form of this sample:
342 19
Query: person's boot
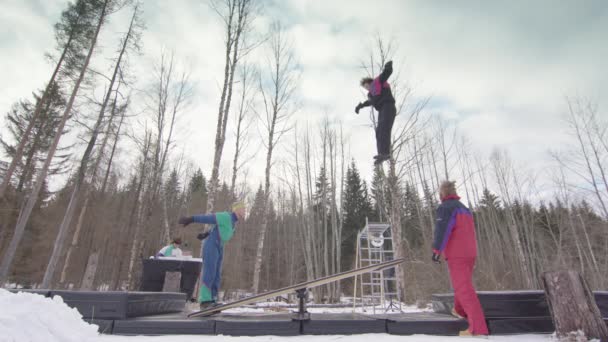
379 159
207 305
456 314
467 333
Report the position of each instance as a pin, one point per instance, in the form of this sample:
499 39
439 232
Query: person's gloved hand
202 236
436 258
358 108
184 221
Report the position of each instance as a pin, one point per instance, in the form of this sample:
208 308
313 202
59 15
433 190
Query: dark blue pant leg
218 273
210 258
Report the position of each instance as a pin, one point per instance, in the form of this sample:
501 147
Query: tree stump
572 305
172 282
89 274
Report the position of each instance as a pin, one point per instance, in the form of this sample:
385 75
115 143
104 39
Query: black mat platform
423 323
511 304
281 324
174 324
522 325
343 324
285 324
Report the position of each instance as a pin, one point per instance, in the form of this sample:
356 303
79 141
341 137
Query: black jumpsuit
381 97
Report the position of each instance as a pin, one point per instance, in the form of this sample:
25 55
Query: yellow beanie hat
238 205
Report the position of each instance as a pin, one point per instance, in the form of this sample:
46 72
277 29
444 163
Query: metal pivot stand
392 306
302 314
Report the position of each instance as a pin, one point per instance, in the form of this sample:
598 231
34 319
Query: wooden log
172 281
572 305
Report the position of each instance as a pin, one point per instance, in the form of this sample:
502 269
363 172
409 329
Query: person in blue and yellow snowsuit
213 248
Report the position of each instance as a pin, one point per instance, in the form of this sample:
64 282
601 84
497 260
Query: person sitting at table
171 250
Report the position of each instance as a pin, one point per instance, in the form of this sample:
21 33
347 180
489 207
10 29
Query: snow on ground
277 307
274 306
28 317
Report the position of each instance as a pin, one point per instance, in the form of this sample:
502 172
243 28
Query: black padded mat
150 303
150 326
428 323
255 324
523 325
122 305
500 304
343 324
94 304
512 304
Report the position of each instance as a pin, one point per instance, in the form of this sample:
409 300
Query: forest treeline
124 184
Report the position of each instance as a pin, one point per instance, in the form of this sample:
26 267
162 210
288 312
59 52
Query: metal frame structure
374 246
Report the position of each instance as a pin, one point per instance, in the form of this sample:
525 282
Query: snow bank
28 317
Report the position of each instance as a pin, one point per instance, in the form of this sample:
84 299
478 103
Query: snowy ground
266 307
26 317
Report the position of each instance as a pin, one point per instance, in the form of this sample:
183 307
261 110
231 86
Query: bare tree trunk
583 148
237 20
241 125
114 145
33 197
395 220
138 209
69 214
87 195
91 269
276 102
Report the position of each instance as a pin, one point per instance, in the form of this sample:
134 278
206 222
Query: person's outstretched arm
386 73
367 103
205 219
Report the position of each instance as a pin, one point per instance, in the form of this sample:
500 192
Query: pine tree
412 230
43 130
198 183
357 207
172 189
197 191
379 195
489 200
255 217
322 193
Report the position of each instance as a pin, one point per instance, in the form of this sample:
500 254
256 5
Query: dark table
153 275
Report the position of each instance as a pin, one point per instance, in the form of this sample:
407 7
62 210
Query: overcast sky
498 70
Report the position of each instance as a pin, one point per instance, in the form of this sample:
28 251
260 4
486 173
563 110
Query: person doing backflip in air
381 97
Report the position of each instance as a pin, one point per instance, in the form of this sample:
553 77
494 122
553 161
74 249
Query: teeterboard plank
304 285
